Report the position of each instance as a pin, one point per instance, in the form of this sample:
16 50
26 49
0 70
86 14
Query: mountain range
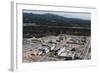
49 19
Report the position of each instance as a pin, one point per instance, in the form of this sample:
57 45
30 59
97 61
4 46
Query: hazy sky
80 15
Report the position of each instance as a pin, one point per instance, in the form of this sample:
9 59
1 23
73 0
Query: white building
45 48
66 54
40 53
61 50
53 47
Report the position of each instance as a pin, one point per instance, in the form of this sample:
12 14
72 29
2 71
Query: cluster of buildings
62 47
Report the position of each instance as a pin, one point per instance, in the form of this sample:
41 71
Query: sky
79 15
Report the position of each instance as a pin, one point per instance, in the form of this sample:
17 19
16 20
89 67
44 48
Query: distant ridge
49 19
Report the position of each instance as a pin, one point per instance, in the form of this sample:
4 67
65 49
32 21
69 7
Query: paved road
86 49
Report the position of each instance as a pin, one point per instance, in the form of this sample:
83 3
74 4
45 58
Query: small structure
40 53
53 47
44 48
61 50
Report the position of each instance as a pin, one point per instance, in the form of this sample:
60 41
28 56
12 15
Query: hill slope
55 20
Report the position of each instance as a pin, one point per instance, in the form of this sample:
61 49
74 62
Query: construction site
62 47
